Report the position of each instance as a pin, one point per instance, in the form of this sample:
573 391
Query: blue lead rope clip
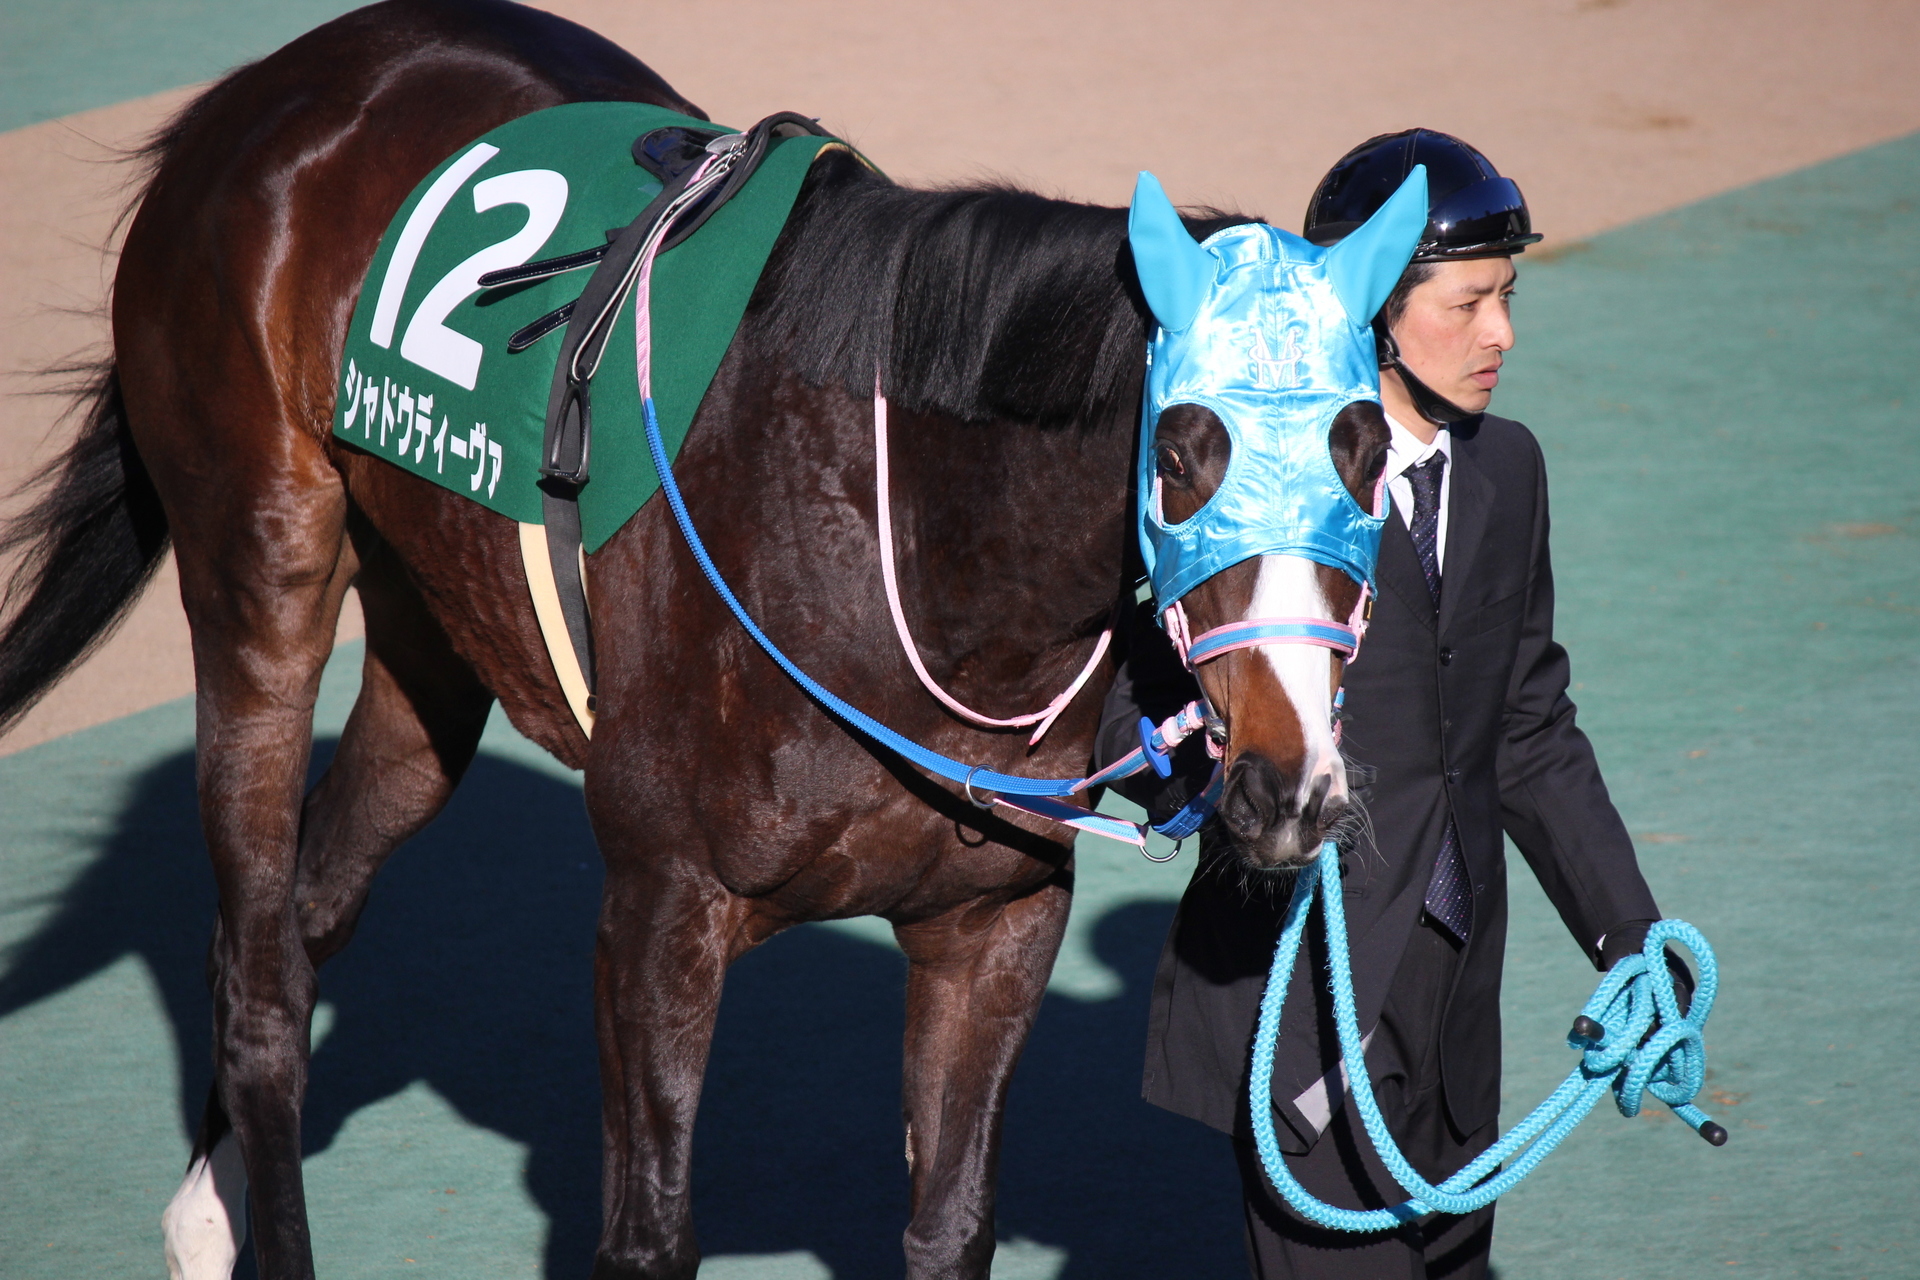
1161 761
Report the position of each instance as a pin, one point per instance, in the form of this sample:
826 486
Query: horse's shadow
472 973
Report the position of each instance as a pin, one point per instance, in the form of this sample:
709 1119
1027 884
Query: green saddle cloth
426 380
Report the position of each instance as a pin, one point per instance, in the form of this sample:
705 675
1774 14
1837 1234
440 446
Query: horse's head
1262 444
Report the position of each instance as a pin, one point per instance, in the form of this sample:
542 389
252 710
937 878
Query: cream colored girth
553 623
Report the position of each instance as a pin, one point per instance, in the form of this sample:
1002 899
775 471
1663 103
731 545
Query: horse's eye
1172 466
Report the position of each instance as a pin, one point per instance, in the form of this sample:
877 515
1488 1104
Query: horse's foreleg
666 935
974 986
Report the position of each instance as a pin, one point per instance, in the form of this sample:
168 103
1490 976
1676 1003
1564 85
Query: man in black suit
1460 725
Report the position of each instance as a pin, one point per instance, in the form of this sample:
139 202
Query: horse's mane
981 302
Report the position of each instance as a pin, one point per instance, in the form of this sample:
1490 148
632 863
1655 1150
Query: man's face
1457 329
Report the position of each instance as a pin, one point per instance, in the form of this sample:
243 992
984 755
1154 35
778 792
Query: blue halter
1272 334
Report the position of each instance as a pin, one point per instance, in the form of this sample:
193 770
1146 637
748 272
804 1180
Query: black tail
89 540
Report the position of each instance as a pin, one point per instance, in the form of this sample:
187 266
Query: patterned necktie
1425 525
1449 894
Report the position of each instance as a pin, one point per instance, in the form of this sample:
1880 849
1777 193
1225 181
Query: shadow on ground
471 973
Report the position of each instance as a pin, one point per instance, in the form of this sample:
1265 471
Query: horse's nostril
1256 797
1333 815
1316 801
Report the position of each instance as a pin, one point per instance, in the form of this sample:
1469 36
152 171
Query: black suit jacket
1464 714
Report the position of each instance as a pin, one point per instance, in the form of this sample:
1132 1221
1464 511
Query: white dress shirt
1405 450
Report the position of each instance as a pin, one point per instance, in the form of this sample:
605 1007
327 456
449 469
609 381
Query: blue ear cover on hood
1270 333
1365 266
1175 272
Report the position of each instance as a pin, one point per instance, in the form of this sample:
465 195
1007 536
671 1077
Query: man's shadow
472 973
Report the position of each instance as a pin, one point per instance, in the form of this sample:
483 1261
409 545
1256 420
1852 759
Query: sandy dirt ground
1604 110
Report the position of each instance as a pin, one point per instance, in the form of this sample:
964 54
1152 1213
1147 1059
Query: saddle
673 155
474 368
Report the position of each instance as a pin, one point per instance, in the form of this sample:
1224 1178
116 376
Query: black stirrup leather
672 155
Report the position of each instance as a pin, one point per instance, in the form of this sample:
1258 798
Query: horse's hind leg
975 983
259 536
411 735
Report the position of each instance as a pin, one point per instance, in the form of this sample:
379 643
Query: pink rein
1045 717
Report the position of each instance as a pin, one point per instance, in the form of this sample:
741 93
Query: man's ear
1366 265
1175 272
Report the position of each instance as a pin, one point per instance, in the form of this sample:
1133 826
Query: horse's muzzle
1275 821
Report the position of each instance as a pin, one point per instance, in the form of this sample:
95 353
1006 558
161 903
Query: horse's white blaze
206 1221
1289 587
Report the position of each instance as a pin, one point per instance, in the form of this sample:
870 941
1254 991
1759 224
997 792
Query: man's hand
1628 940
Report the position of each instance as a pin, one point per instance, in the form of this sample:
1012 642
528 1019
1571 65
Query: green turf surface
62 56
1720 394
453 1113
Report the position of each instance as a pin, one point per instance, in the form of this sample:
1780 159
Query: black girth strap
672 155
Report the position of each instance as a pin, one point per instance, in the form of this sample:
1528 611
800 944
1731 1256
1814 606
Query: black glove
1628 939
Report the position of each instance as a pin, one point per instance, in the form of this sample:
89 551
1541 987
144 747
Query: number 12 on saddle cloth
426 379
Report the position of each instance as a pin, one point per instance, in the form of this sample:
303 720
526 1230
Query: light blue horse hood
1272 333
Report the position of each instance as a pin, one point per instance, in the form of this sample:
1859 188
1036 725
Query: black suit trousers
1342 1168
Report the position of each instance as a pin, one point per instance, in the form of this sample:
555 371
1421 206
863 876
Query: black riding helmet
1472 212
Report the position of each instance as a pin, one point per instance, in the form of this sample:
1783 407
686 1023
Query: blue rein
1621 1051
932 761
1041 796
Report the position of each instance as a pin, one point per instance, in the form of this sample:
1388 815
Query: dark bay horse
1009 334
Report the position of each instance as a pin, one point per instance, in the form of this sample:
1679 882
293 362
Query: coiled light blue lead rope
1671 1064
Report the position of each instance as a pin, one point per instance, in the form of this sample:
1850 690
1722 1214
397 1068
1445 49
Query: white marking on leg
1289 587
206 1221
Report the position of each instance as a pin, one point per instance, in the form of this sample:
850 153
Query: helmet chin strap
1433 406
